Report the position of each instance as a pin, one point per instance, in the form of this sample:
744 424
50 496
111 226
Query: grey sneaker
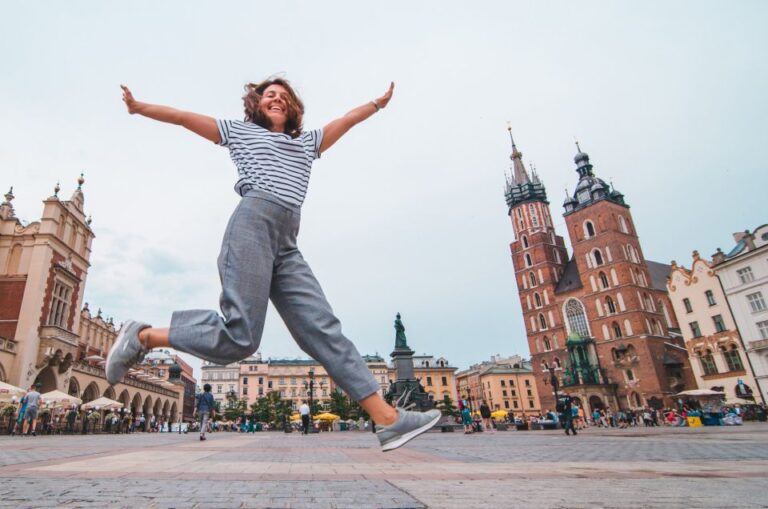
407 426
126 351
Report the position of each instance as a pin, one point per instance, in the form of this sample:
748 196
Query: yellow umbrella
499 414
327 417
296 417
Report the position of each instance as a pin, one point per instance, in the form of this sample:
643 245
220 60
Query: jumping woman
259 257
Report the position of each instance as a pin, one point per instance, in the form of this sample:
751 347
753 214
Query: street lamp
554 382
311 386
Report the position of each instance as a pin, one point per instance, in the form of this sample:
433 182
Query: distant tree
447 407
340 404
272 409
234 408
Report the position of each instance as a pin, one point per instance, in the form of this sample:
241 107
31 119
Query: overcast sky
407 212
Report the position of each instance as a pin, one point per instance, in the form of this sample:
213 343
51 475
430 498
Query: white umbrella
104 403
739 401
58 398
94 358
8 391
700 392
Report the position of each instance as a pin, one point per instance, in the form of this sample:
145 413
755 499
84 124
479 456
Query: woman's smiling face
274 106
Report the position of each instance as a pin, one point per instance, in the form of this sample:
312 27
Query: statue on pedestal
400 340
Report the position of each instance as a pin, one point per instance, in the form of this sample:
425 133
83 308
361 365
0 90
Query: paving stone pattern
636 468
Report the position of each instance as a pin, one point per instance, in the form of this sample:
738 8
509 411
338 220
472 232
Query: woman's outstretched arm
339 127
200 124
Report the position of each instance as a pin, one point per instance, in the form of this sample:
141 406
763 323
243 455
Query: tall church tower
539 258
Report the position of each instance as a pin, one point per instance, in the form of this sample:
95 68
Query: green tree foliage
272 409
340 404
234 408
447 407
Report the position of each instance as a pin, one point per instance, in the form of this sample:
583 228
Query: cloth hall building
599 322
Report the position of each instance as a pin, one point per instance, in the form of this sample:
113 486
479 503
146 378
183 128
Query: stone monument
406 391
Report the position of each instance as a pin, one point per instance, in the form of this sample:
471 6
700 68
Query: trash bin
343 426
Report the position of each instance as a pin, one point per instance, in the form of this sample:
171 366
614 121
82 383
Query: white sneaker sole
410 435
119 345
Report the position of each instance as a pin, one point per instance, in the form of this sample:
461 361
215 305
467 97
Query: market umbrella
700 392
58 398
8 391
499 414
104 404
739 401
326 416
296 417
94 358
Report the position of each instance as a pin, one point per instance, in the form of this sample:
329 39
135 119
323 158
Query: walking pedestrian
19 422
260 259
485 413
33 400
206 408
304 411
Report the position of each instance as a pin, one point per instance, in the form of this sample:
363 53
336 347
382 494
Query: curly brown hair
295 108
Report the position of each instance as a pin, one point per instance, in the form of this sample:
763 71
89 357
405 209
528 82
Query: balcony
759 344
57 347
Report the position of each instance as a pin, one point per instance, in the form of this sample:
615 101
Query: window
589 229
746 275
513 392
504 393
525 242
763 328
429 381
530 393
695 329
506 404
630 375
281 381
710 297
59 305
708 363
530 403
623 225
547 346
245 380
245 391
598 256
616 330
532 277
719 323
218 387
576 318
444 380
534 216
611 306
514 403
511 383
528 261
503 384
261 380
732 358
756 302
293 381
269 384
542 321
527 383
687 304
603 280
537 298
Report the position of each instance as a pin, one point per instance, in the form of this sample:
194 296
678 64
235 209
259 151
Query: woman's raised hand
128 99
382 101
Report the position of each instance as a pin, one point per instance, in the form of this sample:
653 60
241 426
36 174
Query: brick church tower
599 322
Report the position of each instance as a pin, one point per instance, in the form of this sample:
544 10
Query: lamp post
311 386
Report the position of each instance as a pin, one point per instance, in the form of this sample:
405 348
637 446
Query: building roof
293 362
659 273
570 279
373 358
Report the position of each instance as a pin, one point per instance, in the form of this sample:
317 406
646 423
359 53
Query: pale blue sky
407 212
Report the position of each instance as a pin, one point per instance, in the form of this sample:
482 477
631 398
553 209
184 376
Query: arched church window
528 262
616 330
525 242
542 321
603 280
589 229
576 317
598 257
623 225
533 214
532 277
537 298
611 306
557 363
547 344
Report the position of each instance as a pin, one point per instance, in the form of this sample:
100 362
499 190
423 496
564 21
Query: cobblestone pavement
637 468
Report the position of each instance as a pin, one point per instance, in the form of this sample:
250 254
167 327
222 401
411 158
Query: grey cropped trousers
259 261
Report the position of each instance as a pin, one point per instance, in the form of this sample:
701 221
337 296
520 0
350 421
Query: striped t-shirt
271 162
